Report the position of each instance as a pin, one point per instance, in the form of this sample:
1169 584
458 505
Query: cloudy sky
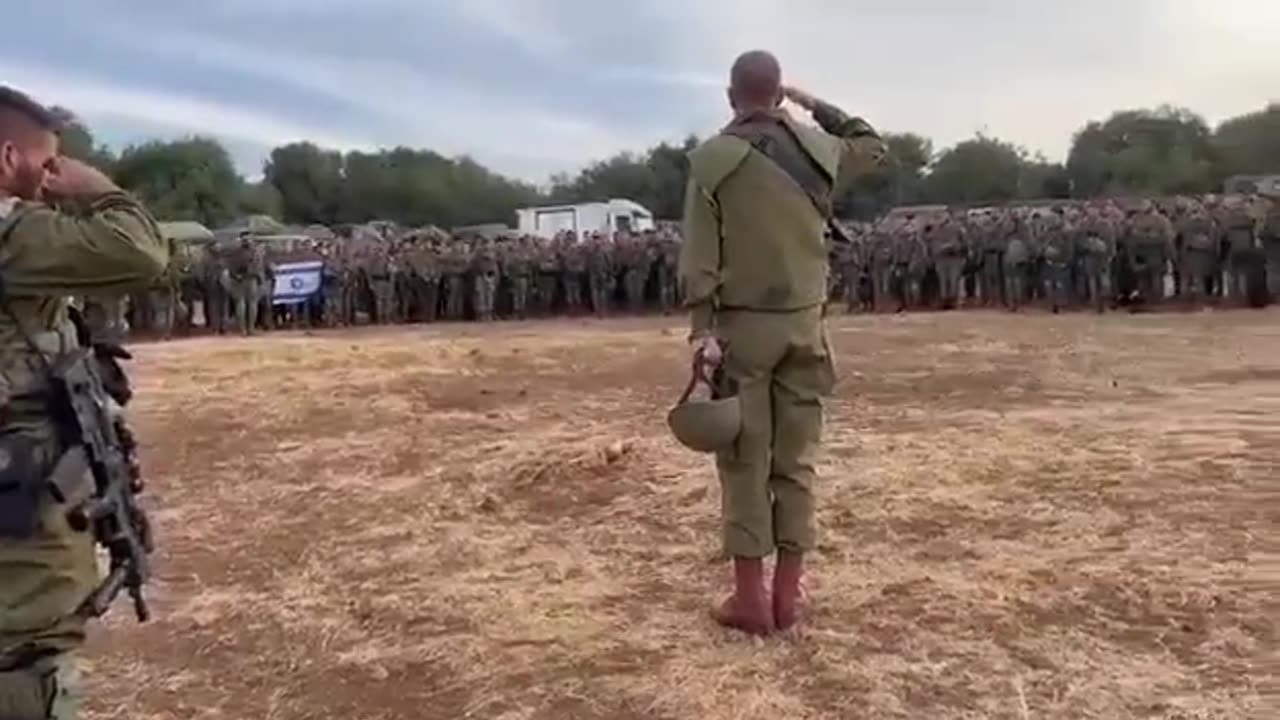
532 87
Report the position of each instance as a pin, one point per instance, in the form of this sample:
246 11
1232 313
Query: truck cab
606 218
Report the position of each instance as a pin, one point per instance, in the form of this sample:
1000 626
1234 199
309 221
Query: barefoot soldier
753 270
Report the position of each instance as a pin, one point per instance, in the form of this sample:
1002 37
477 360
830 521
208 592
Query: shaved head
755 81
22 118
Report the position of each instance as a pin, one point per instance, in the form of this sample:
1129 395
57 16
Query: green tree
981 170
412 187
190 179
77 141
900 181
479 195
1249 144
260 198
1044 179
1163 151
656 179
309 181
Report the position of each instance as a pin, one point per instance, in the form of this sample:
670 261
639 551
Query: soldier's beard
27 182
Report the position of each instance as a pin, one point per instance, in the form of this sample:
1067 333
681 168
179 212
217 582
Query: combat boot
788 593
747 609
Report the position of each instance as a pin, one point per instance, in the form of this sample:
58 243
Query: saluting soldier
754 271
109 245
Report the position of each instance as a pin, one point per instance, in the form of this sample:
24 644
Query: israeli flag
296 282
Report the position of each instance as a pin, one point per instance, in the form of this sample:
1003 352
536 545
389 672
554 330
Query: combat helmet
705 425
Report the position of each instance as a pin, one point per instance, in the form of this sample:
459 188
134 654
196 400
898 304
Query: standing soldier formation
1058 255
754 271
1064 255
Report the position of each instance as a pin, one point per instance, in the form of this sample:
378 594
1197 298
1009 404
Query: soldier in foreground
107 244
754 273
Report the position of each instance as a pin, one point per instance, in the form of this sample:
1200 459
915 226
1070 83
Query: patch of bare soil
1022 517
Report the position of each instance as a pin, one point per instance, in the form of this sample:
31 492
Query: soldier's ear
10 160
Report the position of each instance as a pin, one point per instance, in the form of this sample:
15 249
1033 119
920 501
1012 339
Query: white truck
585 218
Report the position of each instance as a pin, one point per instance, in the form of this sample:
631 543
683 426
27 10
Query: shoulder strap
715 160
809 164
797 162
7 309
818 146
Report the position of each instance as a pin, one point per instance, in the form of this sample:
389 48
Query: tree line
1165 150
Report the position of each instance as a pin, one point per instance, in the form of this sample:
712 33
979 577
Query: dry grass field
1022 517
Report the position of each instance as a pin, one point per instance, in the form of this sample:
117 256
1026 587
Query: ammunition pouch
21 483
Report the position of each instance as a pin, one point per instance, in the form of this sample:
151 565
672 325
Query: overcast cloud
532 87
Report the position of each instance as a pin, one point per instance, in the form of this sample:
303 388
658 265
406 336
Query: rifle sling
775 140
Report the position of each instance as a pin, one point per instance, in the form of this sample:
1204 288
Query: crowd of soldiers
1095 254
381 274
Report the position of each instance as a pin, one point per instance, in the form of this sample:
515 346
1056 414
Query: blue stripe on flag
296 282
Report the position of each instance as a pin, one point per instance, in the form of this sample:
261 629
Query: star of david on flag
296 282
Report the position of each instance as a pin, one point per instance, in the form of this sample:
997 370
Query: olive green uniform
331 281
1057 252
1197 258
352 285
517 268
602 269
380 272
243 285
637 266
1150 253
112 247
911 262
574 257
947 245
753 269
1095 247
166 299
214 280
668 261
426 272
882 266
548 263
454 266
1271 247
1017 263
1241 239
992 244
485 289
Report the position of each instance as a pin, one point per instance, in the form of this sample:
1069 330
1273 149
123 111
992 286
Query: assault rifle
90 422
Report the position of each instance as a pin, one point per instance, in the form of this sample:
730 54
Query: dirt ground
1022 517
